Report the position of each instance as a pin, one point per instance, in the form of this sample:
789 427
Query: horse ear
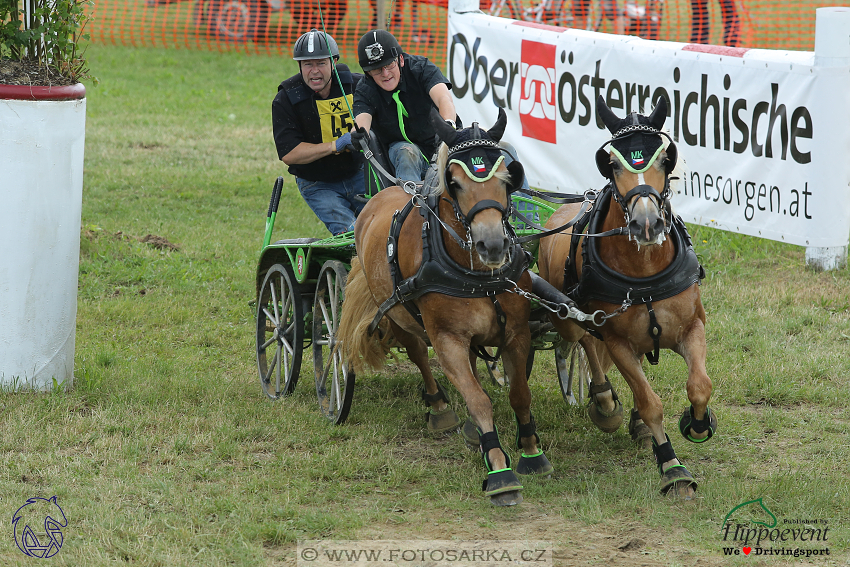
498 129
659 113
444 130
517 174
607 115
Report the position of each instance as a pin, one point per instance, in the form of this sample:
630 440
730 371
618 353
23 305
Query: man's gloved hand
357 135
343 142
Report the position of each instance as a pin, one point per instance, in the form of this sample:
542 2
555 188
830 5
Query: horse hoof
470 435
507 499
639 431
442 421
678 481
609 422
537 465
501 482
688 426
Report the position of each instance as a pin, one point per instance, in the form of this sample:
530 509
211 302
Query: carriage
300 286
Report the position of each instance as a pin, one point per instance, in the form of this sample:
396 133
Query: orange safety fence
272 26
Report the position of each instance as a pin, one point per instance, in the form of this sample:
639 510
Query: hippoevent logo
37 526
537 108
751 528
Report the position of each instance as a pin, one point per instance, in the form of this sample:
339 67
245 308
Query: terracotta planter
42 135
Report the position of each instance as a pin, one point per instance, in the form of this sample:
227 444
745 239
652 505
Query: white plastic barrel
42 135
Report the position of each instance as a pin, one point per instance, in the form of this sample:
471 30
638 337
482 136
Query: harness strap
654 333
584 209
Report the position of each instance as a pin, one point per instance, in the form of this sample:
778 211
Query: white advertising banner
765 134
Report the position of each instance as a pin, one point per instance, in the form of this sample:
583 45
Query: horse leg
501 484
605 410
532 461
674 476
469 431
441 417
698 424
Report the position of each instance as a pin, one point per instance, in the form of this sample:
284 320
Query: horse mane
442 159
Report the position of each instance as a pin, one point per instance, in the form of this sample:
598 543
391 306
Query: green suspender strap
402 112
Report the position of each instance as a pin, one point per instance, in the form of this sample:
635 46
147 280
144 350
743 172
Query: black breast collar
600 282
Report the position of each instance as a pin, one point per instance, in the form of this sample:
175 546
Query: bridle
662 200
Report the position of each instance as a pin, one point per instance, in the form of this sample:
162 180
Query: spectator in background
700 26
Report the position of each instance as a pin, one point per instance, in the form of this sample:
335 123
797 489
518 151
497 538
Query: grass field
166 453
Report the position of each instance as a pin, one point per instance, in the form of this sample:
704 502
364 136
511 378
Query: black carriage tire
238 20
503 9
334 380
573 372
306 15
280 332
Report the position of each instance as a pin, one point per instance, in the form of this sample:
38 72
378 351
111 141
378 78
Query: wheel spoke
269 316
268 377
278 366
276 317
337 398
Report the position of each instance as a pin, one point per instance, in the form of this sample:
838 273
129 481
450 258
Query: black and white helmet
377 48
315 45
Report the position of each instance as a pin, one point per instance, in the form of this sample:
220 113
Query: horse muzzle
491 243
647 224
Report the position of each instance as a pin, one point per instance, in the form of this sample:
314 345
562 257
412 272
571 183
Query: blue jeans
408 161
335 203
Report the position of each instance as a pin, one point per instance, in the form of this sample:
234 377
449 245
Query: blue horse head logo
47 517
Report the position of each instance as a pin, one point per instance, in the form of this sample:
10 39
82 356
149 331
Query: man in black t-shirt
395 99
311 122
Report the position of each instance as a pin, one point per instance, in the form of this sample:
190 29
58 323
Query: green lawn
166 453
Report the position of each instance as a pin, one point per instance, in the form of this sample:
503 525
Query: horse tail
360 349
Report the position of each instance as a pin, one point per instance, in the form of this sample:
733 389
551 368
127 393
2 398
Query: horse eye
616 165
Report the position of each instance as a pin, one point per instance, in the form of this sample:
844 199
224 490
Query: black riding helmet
314 45
377 48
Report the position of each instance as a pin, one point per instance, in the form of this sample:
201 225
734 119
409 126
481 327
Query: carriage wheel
280 332
334 381
573 372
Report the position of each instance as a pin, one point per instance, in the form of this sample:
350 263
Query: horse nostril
481 248
505 244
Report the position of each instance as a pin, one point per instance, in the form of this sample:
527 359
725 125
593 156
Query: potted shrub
42 134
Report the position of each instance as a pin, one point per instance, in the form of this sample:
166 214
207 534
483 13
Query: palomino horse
443 281
645 274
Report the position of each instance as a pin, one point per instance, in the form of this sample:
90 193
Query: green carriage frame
300 285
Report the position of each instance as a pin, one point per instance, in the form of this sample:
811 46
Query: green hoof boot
442 421
537 465
688 425
503 488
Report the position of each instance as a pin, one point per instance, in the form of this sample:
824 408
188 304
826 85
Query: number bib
334 117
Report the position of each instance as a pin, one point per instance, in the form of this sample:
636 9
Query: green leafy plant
46 32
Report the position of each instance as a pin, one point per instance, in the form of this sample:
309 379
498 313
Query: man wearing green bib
395 99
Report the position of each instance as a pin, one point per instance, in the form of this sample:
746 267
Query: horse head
479 184
638 166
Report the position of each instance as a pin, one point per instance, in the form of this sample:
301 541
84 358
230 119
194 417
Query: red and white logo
537 108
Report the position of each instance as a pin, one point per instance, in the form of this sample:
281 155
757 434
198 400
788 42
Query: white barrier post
461 6
832 49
